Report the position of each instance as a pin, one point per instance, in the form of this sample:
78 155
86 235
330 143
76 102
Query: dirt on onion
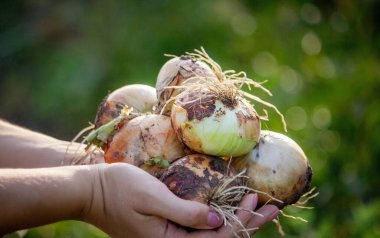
143 142
212 181
140 97
196 177
176 72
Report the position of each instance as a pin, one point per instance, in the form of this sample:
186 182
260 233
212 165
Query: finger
247 205
165 204
243 214
268 212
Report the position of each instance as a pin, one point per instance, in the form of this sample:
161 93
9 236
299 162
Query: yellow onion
175 72
140 97
278 167
197 177
144 142
215 121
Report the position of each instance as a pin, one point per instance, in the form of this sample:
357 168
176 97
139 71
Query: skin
120 199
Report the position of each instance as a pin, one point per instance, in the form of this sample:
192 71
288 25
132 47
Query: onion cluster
198 134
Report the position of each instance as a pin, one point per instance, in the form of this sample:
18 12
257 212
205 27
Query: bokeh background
58 59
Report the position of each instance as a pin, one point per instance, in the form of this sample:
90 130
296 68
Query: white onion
277 166
140 97
175 72
214 122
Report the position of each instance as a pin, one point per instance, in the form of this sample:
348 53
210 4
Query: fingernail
213 219
274 215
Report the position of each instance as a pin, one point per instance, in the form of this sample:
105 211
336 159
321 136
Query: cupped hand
128 202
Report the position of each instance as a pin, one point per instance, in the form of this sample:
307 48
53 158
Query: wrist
33 197
93 204
84 179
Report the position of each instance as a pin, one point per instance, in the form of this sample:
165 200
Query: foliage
58 59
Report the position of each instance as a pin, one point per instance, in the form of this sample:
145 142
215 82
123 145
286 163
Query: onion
215 121
196 177
175 72
144 140
212 181
277 166
140 97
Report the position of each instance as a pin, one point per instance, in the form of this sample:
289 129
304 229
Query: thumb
184 212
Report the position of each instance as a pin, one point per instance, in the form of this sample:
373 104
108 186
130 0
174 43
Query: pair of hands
128 202
122 200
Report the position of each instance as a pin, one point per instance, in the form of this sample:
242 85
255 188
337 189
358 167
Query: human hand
128 202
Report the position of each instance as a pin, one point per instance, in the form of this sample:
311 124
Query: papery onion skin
277 166
140 97
216 126
175 72
143 138
195 177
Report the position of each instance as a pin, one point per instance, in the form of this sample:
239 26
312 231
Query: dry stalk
73 142
229 78
306 197
224 199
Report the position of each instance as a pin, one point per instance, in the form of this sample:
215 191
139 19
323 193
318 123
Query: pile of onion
201 136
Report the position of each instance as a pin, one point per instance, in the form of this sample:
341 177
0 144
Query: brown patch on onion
185 138
140 97
196 177
107 111
198 104
212 181
177 71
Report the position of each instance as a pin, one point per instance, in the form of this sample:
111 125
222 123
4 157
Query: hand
128 202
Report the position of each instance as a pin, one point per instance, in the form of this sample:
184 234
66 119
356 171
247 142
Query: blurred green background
58 59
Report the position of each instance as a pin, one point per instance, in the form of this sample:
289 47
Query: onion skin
140 97
278 167
143 138
195 177
215 126
174 72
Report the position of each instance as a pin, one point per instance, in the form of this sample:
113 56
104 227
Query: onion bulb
175 72
278 167
144 141
197 177
212 181
140 97
215 121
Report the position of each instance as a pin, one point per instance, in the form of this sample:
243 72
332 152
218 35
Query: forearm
23 148
33 197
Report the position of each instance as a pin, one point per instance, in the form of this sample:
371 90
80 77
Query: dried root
224 199
307 196
89 141
279 227
77 147
230 79
304 199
